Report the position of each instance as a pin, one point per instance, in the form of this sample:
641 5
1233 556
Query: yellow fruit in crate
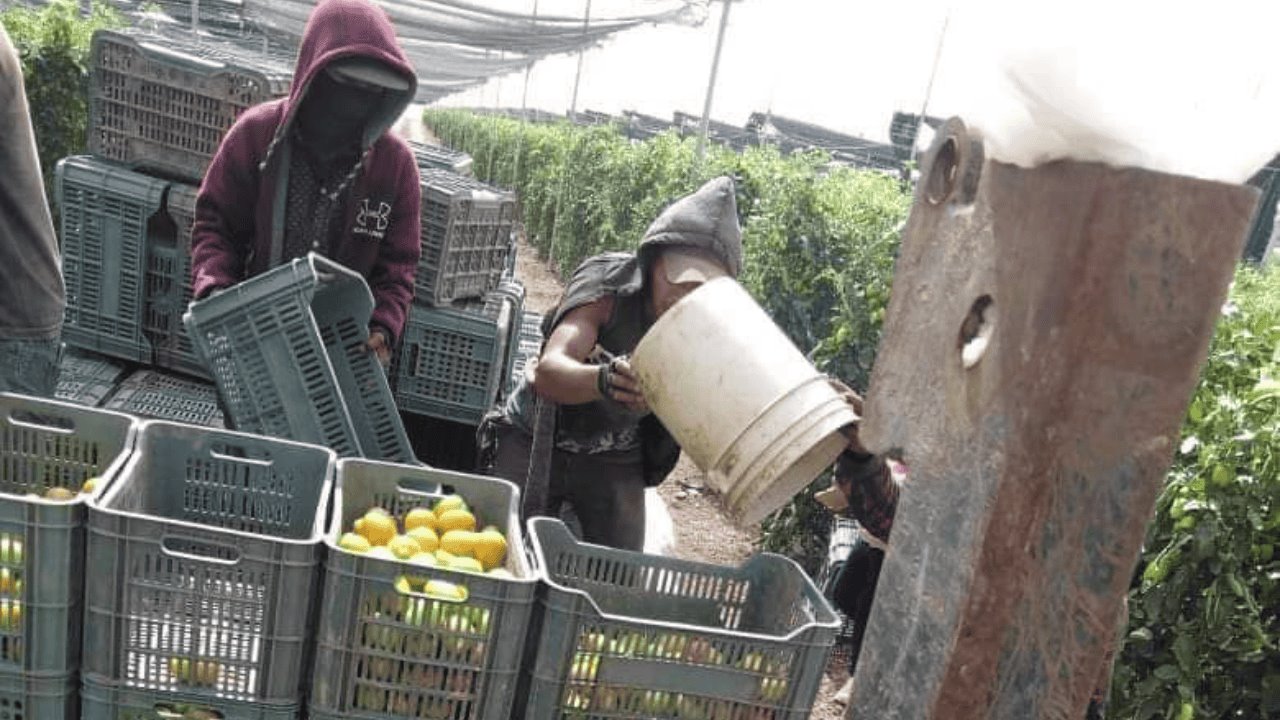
503 573
207 673
458 542
15 616
59 493
456 519
444 558
6 581
403 586
427 539
419 517
489 547
354 542
466 564
180 669
424 558
377 527
403 547
449 502
89 486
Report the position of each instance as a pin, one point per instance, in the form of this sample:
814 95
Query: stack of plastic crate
159 104
466 237
55 457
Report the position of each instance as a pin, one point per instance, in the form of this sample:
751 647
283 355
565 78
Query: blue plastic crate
287 350
105 212
450 364
154 394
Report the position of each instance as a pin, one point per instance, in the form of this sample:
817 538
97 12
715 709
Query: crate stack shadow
159 104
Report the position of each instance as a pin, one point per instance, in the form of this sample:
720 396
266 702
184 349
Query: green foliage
53 43
819 240
1204 627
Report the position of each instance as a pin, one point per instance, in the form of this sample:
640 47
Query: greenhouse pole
577 78
711 83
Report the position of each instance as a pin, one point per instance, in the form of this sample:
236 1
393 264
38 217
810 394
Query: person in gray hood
32 295
605 445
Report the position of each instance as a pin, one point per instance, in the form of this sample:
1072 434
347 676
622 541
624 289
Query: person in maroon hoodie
318 171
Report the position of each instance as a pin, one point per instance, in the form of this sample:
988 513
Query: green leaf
1168 673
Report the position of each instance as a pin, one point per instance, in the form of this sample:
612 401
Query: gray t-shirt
31 291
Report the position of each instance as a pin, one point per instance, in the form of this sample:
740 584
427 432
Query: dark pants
855 588
30 367
605 490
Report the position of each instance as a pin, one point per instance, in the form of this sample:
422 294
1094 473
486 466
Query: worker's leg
29 367
607 494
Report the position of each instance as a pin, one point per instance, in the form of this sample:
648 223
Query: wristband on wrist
603 383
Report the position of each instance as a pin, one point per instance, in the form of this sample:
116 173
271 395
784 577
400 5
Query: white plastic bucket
742 401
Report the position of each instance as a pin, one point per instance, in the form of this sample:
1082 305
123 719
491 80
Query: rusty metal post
1046 330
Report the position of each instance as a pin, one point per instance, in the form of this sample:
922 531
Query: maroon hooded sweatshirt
241 204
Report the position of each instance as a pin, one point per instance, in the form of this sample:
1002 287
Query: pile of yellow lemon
441 536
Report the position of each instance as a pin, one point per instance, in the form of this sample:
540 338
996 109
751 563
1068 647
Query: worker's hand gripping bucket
743 402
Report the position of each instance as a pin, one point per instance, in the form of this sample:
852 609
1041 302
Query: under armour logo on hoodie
379 217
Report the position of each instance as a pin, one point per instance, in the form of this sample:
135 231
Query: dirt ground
703 529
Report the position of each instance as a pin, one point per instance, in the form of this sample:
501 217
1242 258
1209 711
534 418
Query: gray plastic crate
382 654
164 101
24 697
103 700
206 551
168 285
441 158
85 378
287 349
628 635
46 444
466 237
528 346
104 213
153 394
450 363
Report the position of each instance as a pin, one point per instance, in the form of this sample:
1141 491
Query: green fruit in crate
428 541
467 564
90 485
444 590
180 669
354 542
449 502
207 673
403 547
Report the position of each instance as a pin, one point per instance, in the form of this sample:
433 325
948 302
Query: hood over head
352 43
706 220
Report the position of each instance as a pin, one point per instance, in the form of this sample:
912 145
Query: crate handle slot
235 454
461 598
419 486
169 711
42 421
200 550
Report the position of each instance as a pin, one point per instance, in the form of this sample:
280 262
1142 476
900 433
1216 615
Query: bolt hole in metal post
976 331
943 173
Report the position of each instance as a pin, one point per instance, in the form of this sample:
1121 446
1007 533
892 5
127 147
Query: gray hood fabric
31 291
707 219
